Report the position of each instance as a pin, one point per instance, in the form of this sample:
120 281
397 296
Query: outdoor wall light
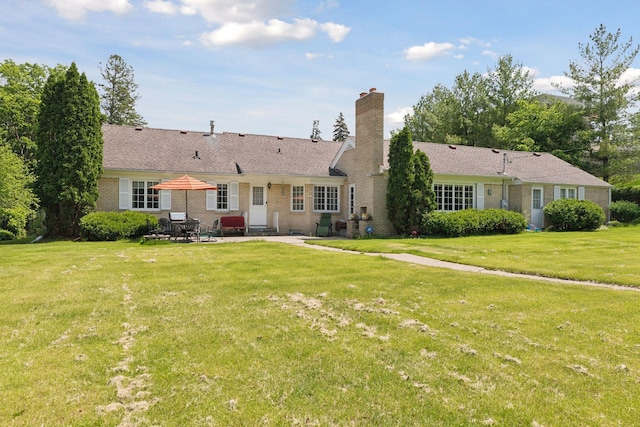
489 191
269 185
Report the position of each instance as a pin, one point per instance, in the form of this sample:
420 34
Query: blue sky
274 66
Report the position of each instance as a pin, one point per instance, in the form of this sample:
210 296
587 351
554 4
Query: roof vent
280 138
495 151
536 154
453 147
139 128
183 132
314 140
241 134
196 156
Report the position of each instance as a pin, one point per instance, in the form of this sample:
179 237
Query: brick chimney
370 130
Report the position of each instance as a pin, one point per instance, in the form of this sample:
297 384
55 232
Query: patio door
258 207
537 197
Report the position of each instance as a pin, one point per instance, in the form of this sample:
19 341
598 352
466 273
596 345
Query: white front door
258 207
537 198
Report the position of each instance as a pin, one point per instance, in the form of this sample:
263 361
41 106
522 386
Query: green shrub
574 215
630 194
6 235
115 225
472 222
624 211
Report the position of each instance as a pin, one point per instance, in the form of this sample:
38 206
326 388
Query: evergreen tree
69 152
315 132
400 185
340 129
599 86
423 196
119 95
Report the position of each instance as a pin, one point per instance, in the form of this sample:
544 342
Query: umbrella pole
186 203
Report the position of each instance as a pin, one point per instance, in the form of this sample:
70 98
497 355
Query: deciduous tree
600 84
21 87
17 200
69 153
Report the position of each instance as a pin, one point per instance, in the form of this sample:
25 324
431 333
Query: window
225 198
222 198
144 197
297 198
536 199
352 198
325 199
567 193
453 197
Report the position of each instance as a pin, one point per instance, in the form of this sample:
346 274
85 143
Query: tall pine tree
69 151
340 129
118 98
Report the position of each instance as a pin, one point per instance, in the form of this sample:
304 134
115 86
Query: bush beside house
116 225
472 222
574 215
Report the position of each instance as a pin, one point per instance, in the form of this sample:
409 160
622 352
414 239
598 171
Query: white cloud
472 40
546 84
237 11
161 6
428 51
258 34
311 55
336 32
490 53
396 118
77 9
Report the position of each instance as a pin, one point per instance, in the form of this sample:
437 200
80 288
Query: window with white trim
222 197
454 197
297 198
568 193
325 198
143 197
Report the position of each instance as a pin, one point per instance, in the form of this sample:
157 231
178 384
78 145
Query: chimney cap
373 89
362 94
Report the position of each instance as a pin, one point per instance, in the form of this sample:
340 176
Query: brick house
283 184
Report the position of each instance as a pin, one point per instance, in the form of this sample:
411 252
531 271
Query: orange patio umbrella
185 183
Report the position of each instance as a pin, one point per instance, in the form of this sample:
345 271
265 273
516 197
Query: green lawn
607 256
256 333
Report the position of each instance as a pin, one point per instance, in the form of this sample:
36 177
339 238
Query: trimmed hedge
115 225
574 215
624 211
472 222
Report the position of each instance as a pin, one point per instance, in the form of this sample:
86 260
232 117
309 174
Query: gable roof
149 149
536 168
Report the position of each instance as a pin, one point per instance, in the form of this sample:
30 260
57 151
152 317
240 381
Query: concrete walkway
420 260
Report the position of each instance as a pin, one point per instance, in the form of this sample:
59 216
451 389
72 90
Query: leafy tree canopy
17 200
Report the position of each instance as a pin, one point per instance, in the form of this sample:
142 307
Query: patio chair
192 229
162 231
209 232
323 228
